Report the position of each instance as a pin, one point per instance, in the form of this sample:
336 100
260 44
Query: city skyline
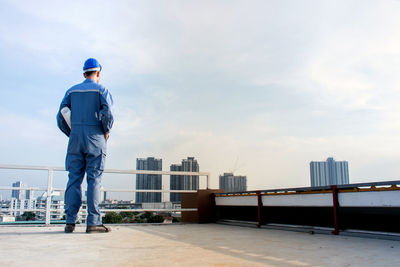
189 161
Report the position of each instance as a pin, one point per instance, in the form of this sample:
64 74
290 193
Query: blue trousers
86 153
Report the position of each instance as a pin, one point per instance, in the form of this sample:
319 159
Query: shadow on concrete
42 230
40 233
224 245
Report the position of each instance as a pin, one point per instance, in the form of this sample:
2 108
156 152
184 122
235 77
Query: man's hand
106 135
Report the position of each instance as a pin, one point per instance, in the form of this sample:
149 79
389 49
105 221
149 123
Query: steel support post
259 209
335 209
163 188
48 199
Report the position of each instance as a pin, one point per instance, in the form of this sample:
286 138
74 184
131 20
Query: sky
261 88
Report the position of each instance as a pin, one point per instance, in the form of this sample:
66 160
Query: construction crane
235 165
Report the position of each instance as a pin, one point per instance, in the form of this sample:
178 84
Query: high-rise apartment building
184 182
148 181
230 183
329 172
175 183
19 194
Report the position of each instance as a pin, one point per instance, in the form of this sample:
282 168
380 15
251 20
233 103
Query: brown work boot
98 229
69 228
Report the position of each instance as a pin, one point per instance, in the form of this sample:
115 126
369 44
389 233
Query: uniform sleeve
61 123
106 110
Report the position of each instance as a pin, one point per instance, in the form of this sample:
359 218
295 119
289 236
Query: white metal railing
49 189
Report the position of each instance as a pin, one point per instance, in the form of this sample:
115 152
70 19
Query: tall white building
57 207
19 206
329 172
21 200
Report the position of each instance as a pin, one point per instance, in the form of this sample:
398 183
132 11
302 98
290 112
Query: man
87 123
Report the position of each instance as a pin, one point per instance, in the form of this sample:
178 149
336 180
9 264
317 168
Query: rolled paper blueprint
66 113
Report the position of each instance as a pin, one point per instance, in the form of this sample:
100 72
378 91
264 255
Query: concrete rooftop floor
189 245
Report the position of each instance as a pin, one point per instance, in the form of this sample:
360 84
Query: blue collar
87 80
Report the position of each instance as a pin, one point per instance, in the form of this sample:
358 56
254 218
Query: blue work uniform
91 108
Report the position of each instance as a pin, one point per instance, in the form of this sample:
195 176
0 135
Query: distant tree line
115 217
134 217
26 216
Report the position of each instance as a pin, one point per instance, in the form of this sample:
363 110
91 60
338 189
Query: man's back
90 104
85 103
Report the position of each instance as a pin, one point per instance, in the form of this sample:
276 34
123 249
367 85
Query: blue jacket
90 104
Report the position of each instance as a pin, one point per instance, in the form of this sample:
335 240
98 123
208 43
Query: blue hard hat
91 64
